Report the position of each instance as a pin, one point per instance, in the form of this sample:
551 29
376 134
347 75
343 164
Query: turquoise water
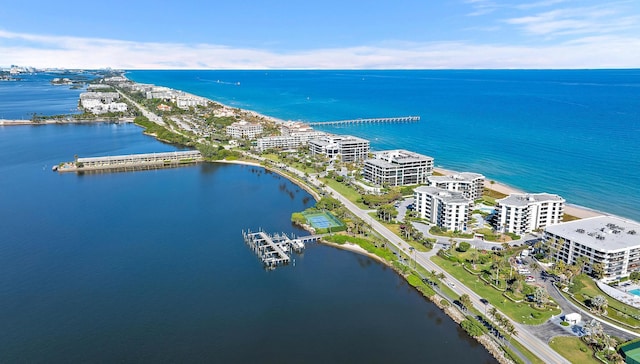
635 291
574 133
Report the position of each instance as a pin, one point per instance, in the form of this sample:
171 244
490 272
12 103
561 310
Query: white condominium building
287 141
347 148
295 127
449 210
522 213
398 168
611 241
470 184
244 130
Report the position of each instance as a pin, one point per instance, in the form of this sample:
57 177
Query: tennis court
323 220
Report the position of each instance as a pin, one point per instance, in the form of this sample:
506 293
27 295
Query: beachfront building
521 213
156 92
244 130
611 241
398 168
185 101
470 184
287 141
450 210
288 128
346 148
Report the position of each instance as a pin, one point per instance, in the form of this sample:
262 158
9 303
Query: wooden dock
275 249
401 119
131 162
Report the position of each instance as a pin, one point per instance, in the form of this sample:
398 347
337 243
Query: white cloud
75 52
571 21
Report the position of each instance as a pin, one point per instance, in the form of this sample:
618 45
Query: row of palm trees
503 322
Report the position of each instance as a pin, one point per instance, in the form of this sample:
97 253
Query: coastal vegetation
584 291
490 276
162 133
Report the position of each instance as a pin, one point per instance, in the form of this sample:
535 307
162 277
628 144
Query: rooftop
600 232
524 199
399 156
445 195
462 176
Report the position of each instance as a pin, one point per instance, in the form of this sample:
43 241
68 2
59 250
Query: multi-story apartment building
521 213
470 184
288 128
449 210
287 141
346 148
611 241
398 168
244 130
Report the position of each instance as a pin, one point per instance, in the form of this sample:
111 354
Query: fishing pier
275 249
401 119
131 162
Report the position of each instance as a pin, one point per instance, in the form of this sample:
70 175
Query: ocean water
571 132
150 266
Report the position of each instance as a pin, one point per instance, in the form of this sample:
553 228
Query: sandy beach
569 209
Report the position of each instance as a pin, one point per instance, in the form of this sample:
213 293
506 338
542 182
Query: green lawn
395 228
617 310
569 348
520 312
346 191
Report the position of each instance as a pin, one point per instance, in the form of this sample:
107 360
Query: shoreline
578 211
570 209
16 122
300 184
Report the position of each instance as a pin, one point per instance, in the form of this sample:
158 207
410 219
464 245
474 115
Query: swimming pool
635 292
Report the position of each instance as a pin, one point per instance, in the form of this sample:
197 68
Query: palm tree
465 301
599 302
474 257
540 295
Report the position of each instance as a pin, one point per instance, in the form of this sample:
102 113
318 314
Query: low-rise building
346 148
398 168
244 130
611 241
450 210
521 213
470 184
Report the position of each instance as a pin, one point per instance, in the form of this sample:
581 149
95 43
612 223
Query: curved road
535 345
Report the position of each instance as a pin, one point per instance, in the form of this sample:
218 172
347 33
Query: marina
275 249
131 162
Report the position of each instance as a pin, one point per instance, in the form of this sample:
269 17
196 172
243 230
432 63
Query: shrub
472 327
463 246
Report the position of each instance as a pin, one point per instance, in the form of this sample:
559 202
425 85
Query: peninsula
454 238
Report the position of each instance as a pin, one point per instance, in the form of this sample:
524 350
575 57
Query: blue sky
287 34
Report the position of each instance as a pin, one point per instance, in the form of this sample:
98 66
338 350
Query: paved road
526 338
149 115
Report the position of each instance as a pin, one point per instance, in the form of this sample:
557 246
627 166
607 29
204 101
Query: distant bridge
401 119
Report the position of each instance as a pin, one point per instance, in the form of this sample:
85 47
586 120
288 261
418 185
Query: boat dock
275 249
131 162
401 119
